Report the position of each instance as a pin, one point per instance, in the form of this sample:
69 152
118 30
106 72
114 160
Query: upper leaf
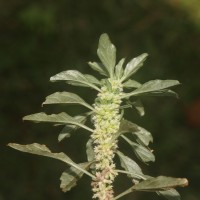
160 183
119 69
74 77
98 67
66 98
134 65
61 118
152 86
107 53
70 176
131 84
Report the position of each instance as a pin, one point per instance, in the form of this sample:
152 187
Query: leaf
142 134
130 165
166 92
75 78
42 150
171 194
70 176
66 98
140 151
131 84
63 136
133 66
139 107
98 67
107 53
89 151
61 118
92 79
66 131
152 86
119 69
160 183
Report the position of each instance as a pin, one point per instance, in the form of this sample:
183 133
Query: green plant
115 93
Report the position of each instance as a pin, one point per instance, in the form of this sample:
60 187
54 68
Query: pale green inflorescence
106 122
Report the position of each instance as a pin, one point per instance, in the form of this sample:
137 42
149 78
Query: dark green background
41 38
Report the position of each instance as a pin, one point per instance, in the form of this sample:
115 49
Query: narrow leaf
142 134
166 92
119 69
160 183
71 176
131 84
139 107
133 66
98 67
42 150
130 165
140 151
92 79
89 151
66 98
75 78
107 53
171 194
61 118
152 86
66 131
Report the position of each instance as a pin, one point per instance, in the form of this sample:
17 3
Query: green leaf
166 92
61 118
107 53
76 78
160 183
89 151
171 194
66 131
66 98
139 107
119 69
70 176
133 66
130 165
92 79
143 136
63 136
42 150
140 151
131 84
98 67
152 86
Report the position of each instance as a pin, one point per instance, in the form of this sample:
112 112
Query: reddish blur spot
193 113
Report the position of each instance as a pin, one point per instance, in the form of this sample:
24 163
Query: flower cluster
106 122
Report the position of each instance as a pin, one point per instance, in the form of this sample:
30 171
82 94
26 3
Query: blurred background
41 38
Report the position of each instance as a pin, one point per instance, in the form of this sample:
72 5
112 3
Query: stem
124 193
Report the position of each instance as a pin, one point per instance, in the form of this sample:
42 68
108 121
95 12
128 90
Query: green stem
124 193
